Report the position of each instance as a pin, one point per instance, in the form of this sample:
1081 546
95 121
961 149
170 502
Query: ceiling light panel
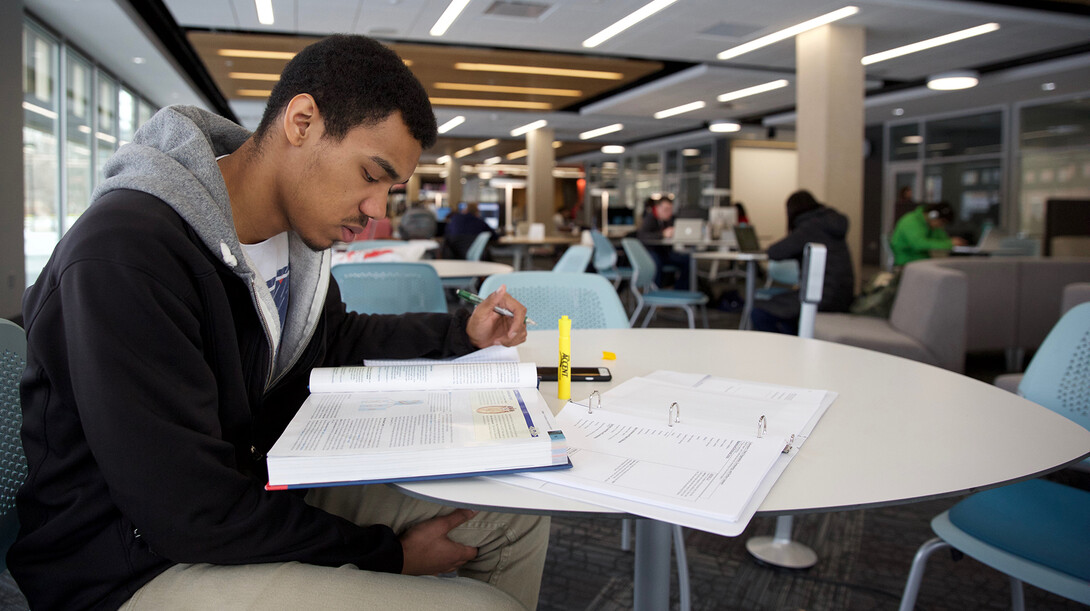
447 18
930 43
627 21
789 32
756 89
677 110
480 87
601 131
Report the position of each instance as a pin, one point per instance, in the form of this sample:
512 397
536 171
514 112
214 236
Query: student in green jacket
921 231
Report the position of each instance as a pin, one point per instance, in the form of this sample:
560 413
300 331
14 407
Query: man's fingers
457 518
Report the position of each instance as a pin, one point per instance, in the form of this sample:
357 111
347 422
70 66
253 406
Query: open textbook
689 449
397 423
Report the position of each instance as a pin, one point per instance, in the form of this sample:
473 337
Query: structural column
12 264
540 187
454 182
829 85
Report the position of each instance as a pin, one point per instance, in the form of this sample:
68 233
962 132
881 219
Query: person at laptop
921 231
809 221
462 229
658 225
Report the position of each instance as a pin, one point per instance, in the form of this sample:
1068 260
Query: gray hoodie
173 157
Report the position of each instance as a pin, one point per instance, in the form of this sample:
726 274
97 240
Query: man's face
664 211
343 184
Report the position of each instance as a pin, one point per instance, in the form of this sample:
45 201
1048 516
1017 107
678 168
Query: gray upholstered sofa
927 322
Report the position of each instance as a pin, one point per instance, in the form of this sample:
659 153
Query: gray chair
648 294
575 259
1074 294
385 287
12 461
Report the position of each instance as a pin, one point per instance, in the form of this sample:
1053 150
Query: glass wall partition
1053 159
41 153
78 175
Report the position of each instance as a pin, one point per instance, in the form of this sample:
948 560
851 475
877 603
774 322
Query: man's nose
375 205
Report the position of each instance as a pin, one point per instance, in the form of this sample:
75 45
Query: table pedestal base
779 550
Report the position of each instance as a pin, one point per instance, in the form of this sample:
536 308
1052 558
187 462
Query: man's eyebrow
387 167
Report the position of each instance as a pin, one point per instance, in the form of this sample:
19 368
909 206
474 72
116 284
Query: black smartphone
578 374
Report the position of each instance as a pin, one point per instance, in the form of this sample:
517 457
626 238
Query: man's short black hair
940 210
355 81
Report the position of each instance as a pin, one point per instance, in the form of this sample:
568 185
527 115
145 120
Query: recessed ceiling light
1048 86
930 43
677 110
722 127
253 93
748 91
264 12
567 93
574 73
898 112
493 160
462 153
601 131
491 103
487 144
255 54
139 60
955 79
690 152
453 10
628 21
451 124
529 127
443 160
612 149
254 76
916 139
785 33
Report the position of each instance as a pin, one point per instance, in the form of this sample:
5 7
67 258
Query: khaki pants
510 560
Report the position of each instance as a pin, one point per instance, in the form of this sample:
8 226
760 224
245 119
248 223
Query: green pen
468 297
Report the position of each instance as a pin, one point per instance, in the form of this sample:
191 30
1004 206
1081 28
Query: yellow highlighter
563 374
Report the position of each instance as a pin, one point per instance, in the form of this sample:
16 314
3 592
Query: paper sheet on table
491 354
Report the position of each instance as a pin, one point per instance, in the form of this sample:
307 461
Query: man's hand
956 241
489 328
668 233
427 549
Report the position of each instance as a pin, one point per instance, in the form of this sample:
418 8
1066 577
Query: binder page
415 377
683 467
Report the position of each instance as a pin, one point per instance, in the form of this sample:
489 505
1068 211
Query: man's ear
301 119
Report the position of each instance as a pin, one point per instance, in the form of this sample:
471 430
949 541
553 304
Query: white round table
460 268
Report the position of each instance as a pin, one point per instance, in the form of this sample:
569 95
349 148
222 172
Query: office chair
1036 531
648 294
575 259
12 461
782 278
474 253
605 259
589 300
385 287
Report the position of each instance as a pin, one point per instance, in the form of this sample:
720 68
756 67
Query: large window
1054 157
66 93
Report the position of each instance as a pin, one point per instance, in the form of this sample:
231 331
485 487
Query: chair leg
682 568
626 535
704 314
1018 598
915 574
650 315
690 316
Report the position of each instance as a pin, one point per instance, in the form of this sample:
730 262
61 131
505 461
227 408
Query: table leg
751 289
517 260
692 272
651 585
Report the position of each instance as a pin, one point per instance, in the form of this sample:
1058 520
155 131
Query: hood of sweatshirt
173 157
832 222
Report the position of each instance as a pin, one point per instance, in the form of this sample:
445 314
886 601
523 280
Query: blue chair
605 259
386 287
473 253
782 278
648 294
12 461
589 300
575 259
1035 531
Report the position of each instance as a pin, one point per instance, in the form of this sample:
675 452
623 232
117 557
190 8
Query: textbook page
433 376
491 354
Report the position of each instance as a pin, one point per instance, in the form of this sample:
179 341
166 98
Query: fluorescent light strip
601 131
930 43
529 127
453 10
462 153
596 74
677 110
493 160
626 22
487 144
254 93
566 93
449 125
254 54
254 76
557 144
785 33
444 160
264 12
491 103
748 91
517 154
45 112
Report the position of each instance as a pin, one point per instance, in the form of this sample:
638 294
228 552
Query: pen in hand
476 299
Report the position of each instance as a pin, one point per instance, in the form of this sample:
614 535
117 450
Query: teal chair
783 276
605 259
589 300
649 295
1036 531
474 253
12 461
385 287
575 259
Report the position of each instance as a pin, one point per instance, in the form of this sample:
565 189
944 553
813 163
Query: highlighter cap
565 324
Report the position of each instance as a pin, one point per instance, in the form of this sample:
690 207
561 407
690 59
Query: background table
460 268
521 244
751 259
899 431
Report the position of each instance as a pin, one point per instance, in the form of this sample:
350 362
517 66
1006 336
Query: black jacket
829 227
147 417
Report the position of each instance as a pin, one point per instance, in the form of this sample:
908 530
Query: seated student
809 221
169 342
418 223
921 231
658 224
462 228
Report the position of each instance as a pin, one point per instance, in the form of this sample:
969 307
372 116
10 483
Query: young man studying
170 338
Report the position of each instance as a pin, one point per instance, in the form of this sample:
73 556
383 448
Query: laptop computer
990 241
746 237
690 230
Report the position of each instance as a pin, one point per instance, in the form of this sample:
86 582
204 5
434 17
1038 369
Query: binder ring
590 401
674 414
762 426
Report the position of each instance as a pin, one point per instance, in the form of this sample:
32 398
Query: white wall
761 179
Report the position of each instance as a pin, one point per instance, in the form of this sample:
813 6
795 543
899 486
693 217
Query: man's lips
349 232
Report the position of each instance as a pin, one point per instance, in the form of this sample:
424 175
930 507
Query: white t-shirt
271 261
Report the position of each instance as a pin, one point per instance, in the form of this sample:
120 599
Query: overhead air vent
731 30
520 10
